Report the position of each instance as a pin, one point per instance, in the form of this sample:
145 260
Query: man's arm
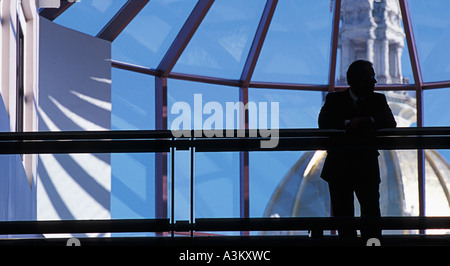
329 115
384 117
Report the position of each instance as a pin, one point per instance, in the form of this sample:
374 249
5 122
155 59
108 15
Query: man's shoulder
379 96
337 94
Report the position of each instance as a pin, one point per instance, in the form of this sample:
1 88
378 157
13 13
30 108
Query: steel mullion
184 36
161 158
436 85
419 99
249 67
334 45
122 18
258 42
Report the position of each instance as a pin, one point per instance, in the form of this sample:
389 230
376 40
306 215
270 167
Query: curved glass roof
287 51
298 47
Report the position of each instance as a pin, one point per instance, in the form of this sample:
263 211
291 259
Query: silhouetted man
360 111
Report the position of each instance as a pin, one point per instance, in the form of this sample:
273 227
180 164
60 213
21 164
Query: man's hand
360 126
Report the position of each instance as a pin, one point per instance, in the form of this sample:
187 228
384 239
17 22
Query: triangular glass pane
221 44
374 33
297 46
147 38
431 24
90 16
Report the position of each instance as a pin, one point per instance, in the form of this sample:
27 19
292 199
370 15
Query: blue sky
296 50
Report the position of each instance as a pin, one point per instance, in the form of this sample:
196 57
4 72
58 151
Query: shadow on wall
74 95
75 185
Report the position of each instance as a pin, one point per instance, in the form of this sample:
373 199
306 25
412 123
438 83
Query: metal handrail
84 226
163 140
158 134
318 223
219 224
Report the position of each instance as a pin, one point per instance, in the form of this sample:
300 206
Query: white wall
74 95
16 203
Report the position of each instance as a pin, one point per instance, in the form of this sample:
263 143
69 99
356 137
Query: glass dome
286 51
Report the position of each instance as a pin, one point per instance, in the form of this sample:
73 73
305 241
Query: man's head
361 77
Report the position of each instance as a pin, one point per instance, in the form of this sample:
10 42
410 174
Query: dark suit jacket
360 164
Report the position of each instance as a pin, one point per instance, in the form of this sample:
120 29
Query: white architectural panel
74 95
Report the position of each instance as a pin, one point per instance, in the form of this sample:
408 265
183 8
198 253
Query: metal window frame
20 77
247 72
164 72
122 18
184 36
418 81
54 13
245 83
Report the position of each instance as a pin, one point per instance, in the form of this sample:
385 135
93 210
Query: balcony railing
164 141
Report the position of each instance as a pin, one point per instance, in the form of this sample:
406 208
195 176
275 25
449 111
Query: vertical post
246 76
419 99
420 157
20 76
333 59
244 175
160 157
172 194
334 45
184 36
192 184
